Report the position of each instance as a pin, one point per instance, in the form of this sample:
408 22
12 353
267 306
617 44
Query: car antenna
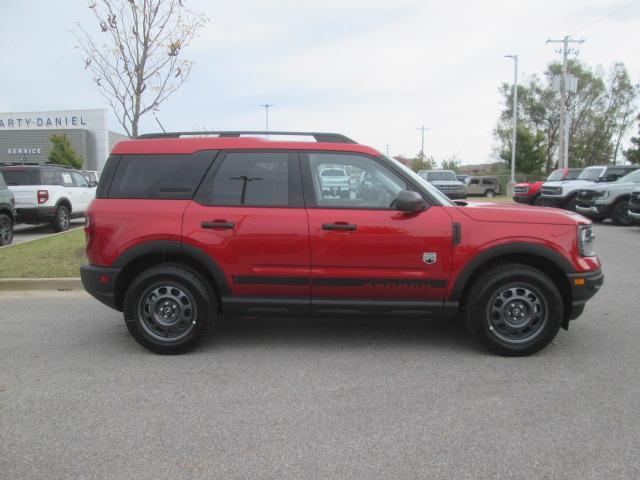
158 120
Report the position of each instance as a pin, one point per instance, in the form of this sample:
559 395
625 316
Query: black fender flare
173 246
502 250
66 201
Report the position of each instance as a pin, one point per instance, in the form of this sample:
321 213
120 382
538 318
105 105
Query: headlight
604 194
586 239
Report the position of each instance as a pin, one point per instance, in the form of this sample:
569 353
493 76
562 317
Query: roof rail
35 164
319 137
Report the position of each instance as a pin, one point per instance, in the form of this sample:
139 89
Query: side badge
429 257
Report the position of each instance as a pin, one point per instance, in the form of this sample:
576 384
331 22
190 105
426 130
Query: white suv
48 194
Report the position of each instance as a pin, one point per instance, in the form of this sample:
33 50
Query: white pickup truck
48 194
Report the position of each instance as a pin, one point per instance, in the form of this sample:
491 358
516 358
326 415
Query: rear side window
21 176
158 176
258 179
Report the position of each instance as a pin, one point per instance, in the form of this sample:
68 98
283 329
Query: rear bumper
35 215
100 282
584 286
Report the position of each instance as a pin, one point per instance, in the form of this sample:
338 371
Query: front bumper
35 215
525 199
557 202
593 210
100 282
584 286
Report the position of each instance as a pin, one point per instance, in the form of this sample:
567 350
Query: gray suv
609 200
445 181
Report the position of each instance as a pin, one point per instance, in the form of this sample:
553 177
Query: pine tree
63 153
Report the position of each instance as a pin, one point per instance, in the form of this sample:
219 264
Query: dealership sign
43 122
24 151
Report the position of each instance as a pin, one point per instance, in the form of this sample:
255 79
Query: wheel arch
542 258
66 202
7 211
142 256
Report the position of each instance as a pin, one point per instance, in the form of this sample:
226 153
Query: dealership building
26 137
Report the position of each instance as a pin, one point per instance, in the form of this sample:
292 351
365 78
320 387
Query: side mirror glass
407 201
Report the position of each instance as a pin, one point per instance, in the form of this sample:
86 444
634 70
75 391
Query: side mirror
407 201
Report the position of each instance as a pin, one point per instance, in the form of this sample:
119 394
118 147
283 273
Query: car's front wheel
168 309
514 310
620 214
6 230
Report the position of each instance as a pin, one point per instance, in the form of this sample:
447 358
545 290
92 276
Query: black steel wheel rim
517 314
5 231
167 312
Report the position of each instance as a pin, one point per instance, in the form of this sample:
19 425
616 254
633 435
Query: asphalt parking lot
25 233
332 398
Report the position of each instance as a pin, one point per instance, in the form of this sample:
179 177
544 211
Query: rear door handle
339 226
222 224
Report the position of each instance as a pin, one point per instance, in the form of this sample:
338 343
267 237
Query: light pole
266 107
422 129
515 124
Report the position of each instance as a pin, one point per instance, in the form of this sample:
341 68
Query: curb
22 284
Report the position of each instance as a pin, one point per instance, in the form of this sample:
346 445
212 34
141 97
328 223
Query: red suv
188 227
529 192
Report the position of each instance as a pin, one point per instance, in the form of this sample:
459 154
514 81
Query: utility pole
515 122
422 128
563 143
266 107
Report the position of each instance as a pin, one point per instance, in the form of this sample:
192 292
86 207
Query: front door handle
222 224
339 226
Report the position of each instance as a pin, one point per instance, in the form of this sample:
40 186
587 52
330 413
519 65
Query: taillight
43 196
88 230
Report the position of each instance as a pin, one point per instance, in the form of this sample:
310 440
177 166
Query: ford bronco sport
188 227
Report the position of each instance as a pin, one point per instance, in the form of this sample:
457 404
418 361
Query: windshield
633 177
590 174
555 176
441 175
442 198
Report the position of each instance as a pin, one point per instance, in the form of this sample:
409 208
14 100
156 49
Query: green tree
633 153
422 162
531 153
599 114
450 163
62 153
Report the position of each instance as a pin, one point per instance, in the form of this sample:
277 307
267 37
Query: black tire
62 220
620 214
6 230
173 320
496 320
571 204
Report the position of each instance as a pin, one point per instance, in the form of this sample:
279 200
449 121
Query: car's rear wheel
168 309
62 220
6 230
514 310
620 214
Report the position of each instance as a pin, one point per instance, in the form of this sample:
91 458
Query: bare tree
136 59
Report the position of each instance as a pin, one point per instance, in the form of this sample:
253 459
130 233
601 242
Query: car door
365 255
249 217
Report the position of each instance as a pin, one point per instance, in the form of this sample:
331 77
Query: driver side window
352 181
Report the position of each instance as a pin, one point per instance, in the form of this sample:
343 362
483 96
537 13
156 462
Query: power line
563 143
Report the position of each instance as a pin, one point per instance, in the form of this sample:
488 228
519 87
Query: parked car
485 186
634 206
242 226
91 176
446 182
609 200
335 181
7 213
562 194
48 193
462 178
529 192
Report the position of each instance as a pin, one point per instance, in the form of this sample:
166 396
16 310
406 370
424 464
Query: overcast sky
373 70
